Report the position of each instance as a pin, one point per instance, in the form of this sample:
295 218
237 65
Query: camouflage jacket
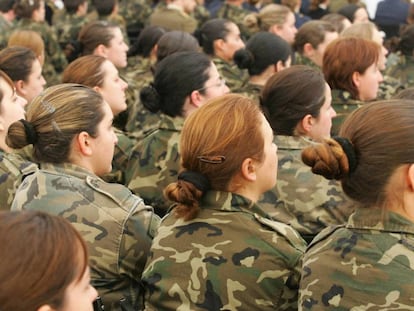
5 32
389 87
155 163
366 265
13 168
343 105
135 14
236 14
253 91
303 60
172 18
234 76
302 199
403 71
230 257
117 226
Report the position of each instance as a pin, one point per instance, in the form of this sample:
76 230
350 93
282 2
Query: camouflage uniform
389 87
172 18
252 91
55 59
301 199
403 71
136 14
117 226
5 31
364 265
230 257
201 14
234 76
155 162
13 169
343 105
303 60
236 14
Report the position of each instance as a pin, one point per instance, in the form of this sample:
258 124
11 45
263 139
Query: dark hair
407 93
406 44
42 255
290 95
25 8
312 32
17 62
6 5
262 50
336 20
211 31
217 157
71 6
146 41
349 11
381 136
175 77
104 7
55 116
176 41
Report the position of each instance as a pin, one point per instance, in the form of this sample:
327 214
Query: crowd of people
206 155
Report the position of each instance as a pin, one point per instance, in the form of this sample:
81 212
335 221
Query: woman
353 77
365 264
318 8
70 127
100 74
235 259
299 114
12 166
275 18
30 39
23 66
265 54
58 279
182 83
220 39
355 13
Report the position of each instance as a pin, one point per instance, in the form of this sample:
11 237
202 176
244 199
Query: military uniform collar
67 169
171 123
344 97
292 142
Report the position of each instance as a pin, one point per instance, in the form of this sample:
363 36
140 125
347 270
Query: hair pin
212 159
48 107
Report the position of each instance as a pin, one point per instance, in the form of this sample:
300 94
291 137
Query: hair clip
55 127
212 159
48 107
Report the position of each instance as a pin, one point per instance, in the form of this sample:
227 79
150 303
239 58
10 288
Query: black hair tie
349 151
197 179
30 131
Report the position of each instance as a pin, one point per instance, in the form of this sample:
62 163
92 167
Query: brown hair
56 116
381 137
86 70
312 32
17 62
42 254
30 39
271 14
95 33
339 64
217 132
25 8
6 78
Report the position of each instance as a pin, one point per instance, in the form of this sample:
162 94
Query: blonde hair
271 14
29 39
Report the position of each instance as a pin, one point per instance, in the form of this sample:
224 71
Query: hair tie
212 159
349 151
197 179
30 131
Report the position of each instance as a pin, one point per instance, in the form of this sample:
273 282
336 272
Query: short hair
29 280
339 64
17 62
271 14
175 77
286 102
25 8
57 115
176 41
202 136
86 70
312 32
211 31
262 50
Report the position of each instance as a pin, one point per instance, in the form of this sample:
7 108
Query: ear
20 89
307 123
248 169
83 141
308 50
97 89
279 66
196 98
218 44
410 177
100 50
356 78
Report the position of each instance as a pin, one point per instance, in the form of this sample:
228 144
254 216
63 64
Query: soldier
7 17
58 279
32 17
13 168
233 11
311 41
353 77
182 83
70 127
264 55
299 114
365 264
220 39
217 249
136 14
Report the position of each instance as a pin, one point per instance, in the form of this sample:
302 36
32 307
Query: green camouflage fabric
116 225
234 76
403 71
155 163
55 59
201 15
303 60
366 265
392 59
172 18
6 29
136 14
306 201
389 87
343 104
232 256
252 91
13 168
236 14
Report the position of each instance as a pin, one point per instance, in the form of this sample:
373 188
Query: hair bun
150 98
